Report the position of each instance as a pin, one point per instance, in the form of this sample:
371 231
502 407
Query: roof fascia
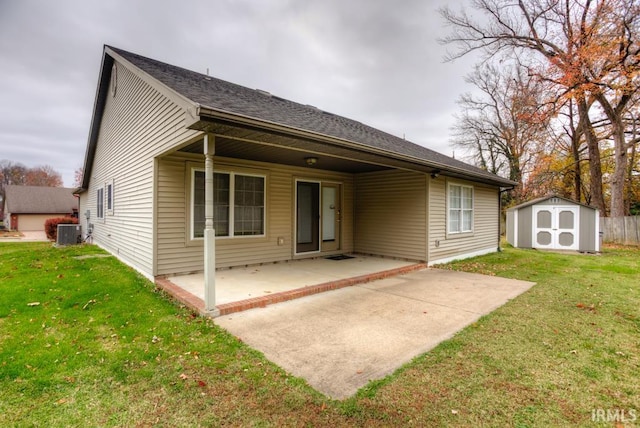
182 101
109 56
546 198
96 118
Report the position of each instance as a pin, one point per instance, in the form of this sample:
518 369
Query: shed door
555 227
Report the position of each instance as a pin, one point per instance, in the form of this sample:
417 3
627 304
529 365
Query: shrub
51 226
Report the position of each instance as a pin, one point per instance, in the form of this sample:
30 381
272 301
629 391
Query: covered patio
242 288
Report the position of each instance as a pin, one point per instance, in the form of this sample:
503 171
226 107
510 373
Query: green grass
88 342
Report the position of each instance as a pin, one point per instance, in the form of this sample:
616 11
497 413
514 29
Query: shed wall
525 227
588 231
511 236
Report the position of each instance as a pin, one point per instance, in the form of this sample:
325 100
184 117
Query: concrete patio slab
253 281
340 340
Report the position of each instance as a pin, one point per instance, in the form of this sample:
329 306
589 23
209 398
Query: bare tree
78 176
11 173
43 176
504 125
18 174
589 49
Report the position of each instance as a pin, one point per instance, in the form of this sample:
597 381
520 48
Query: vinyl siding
138 123
511 221
588 229
485 222
391 214
525 227
177 253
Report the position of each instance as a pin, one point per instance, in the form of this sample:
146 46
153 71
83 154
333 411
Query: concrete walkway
340 340
28 236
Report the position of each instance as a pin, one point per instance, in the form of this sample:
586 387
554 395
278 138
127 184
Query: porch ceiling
265 152
248 142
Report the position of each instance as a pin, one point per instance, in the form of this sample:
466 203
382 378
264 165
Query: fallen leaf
201 384
183 376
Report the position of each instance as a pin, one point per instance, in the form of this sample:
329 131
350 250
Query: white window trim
232 183
100 203
108 209
473 208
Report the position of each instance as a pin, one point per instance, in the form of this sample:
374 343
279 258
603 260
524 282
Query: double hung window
460 219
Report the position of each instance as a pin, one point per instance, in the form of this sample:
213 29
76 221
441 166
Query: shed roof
208 93
546 198
39 200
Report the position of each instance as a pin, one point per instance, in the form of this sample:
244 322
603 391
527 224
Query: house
26 208
555 223
188 173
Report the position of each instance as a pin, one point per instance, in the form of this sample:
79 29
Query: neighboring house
287 180
554 223
26 208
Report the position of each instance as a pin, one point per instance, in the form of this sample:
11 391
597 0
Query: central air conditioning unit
69 234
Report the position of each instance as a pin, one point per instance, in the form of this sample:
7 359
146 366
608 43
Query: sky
375 61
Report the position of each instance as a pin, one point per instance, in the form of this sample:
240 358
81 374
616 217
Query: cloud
370 60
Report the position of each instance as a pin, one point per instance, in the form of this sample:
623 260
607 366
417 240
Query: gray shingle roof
546 198
225 96
40 200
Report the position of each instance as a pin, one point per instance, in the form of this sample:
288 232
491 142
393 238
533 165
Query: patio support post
209 231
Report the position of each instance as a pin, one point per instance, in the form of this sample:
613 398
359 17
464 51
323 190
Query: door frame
336 243
555 231
339 185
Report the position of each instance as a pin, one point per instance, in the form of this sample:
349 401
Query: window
460 209
114 80
238 202
109 197
100 203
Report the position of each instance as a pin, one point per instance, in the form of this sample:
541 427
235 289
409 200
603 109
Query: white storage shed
554 223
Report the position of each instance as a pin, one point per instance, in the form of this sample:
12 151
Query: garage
554 223
27 208
32 222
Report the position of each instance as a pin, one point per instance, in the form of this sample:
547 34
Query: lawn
85 341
